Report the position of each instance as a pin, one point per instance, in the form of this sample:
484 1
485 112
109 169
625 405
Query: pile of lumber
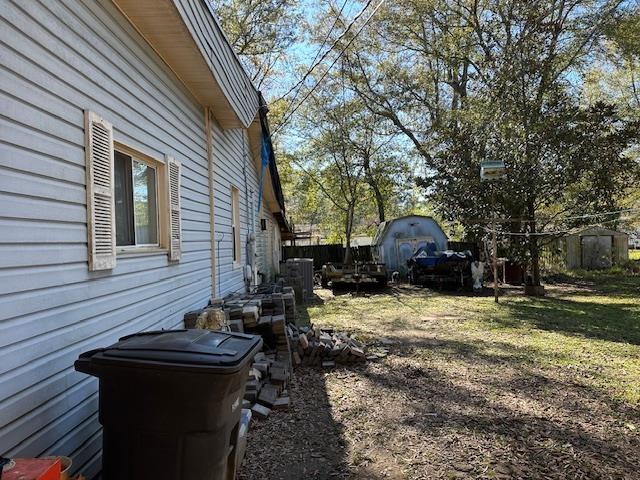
325 347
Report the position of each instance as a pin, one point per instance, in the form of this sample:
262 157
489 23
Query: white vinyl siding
58 59
230 167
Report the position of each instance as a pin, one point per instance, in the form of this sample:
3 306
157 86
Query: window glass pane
144 204
123 200
235 220
235 253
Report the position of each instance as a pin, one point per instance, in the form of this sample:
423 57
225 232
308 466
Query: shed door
596 251
405 251
406 248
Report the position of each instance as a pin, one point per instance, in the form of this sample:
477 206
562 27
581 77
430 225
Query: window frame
236 249
160 167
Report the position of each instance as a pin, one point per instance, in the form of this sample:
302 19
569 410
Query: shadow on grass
584 283
302 311
457 417
489 353
615 322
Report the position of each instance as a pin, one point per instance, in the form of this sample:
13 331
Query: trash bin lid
180 349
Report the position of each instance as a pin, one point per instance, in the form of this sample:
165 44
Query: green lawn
467 389
634 254
530 388
590 326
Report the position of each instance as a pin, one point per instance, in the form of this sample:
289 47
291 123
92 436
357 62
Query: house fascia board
225 89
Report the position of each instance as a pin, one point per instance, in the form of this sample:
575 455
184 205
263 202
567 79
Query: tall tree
468 80
261 33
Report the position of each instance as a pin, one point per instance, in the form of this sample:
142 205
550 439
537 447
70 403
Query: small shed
597 247
396 240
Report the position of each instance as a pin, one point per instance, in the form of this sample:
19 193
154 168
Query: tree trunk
373 183
348 227
534 249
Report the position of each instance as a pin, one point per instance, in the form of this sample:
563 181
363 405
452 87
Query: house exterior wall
233 167
269 242
58 59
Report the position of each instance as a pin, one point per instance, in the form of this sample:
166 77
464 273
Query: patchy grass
634 254
591 326
530 388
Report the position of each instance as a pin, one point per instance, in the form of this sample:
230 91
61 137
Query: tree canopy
434 87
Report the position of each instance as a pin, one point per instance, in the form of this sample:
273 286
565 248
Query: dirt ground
531 389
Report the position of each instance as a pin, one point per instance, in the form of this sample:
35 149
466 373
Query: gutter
273 169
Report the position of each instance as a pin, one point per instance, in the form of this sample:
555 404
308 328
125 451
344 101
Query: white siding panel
229 154
231 167
23 159
59 58
265 245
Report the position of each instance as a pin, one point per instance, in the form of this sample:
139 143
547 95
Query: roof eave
162 25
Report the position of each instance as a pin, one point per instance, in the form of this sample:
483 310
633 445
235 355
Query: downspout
251 237
212 224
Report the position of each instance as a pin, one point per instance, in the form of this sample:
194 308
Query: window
136 202
133 200
235 223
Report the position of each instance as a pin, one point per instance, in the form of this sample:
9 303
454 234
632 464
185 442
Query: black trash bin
170 403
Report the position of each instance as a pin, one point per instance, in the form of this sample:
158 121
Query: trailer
360 273
428 266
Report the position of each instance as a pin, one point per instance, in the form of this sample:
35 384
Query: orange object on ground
33 469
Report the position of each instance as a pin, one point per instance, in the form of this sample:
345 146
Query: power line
555 220
555 232
308 94
603 214
325 54
313 62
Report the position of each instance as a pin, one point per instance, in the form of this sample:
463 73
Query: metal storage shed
396 240
597 247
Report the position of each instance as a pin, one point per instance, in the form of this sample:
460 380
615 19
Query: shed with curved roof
396 240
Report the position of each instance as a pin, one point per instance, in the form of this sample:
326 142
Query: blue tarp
429 257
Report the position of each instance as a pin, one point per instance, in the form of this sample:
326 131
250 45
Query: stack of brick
210 318
324 347
267 386
272 314
293 278
298 274
289 298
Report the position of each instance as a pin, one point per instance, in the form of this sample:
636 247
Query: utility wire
355 35
335 43
556 220
555 232
313 62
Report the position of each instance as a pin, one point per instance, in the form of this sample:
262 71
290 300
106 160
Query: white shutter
175 227
101 219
